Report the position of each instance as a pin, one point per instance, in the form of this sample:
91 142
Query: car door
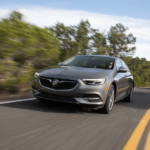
128 77
120 79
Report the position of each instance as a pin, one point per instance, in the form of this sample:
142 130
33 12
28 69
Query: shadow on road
50 107
143 88
141 100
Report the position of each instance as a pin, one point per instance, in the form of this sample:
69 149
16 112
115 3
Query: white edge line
17 101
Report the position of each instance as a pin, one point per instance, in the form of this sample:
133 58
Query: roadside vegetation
25 48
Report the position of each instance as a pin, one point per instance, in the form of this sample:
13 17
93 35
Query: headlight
36 75
93 81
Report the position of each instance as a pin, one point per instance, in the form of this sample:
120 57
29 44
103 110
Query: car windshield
90 62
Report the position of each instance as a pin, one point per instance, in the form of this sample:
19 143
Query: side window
118 64
124 65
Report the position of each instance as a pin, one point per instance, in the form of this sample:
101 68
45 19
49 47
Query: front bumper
91 96
71 100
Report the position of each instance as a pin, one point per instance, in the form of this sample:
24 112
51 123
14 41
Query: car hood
74 72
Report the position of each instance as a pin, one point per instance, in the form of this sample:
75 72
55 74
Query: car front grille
56 97
64 84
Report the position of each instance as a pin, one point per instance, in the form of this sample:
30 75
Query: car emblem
55 82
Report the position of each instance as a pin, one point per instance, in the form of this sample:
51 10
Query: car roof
100 56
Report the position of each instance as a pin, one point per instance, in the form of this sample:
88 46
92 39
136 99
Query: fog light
35 92
96 99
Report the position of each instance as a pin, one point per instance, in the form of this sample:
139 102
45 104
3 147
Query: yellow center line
148 143
135 137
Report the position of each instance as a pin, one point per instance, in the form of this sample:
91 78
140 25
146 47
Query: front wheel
109 100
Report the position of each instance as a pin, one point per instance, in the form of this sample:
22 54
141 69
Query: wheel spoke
111 104
112 94
111 99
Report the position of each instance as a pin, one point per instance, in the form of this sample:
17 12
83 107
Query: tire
130 96
109 101
41 100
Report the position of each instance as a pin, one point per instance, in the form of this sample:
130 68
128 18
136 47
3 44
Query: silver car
92 81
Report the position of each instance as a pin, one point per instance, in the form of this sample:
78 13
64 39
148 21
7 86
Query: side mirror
60 63
122 69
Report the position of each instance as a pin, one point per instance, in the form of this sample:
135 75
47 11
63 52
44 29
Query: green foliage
83 30
68 47
140 69
25 48
99 43
119 41
80 40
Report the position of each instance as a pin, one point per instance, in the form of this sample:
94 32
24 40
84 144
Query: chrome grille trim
64 81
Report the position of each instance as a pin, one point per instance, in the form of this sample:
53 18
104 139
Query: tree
82 37
99 43
66 36
119 41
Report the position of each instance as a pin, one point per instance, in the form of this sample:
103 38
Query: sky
102 14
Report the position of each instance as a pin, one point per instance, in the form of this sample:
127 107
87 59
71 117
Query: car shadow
146 88
141 99
50 107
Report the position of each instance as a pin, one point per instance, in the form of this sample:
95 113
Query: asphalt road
30 125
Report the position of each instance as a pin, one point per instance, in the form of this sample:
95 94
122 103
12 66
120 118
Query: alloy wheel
111 99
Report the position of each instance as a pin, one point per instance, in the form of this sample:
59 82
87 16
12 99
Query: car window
124 65
84 63
118 64
90 62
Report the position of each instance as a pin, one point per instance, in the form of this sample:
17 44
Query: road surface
30 125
